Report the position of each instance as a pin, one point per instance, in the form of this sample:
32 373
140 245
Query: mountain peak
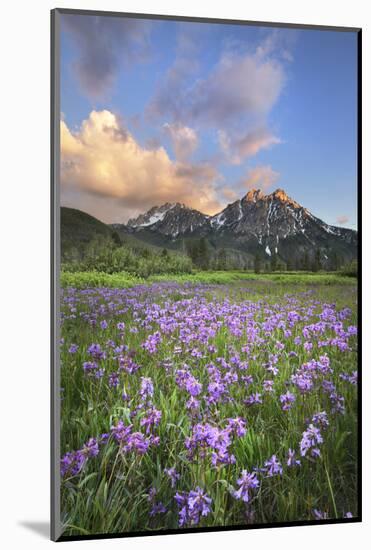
280 194
170 219
254 195
155 214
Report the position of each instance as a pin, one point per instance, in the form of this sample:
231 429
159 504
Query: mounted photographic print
205 199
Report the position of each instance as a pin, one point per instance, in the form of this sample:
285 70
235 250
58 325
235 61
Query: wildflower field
200 405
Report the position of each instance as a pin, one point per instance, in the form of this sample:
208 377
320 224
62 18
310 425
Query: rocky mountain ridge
258 223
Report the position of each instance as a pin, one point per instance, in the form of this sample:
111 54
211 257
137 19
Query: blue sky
157 111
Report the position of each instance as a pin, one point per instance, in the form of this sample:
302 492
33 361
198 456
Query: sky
199 113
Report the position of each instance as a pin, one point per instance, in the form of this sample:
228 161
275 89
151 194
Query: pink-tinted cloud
238 149
183 138
342 219
260 177
103 165
229 194
239 86
235 98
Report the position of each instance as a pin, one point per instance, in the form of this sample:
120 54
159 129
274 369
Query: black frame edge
359 286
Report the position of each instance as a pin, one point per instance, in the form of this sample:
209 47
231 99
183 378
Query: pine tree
341 261
316 265
116 238
274 262
257 263
193 251
204 254
222 259
318 260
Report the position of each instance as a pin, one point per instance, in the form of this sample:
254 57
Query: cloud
104 45
261 177
245 85
229 194
106 171
171 98
183 138
234 98
239 85
238 149
279 43
171 95
342 219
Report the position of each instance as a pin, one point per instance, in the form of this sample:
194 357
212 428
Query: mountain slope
78 229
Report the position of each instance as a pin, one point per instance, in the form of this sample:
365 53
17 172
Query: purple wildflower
104 438
99 373
72 463
254 399
146 388
113 380
287 399
152 418
320 419
273 467
237 426
302 381
311 438
193 404
136 442
247 483
153 340
89 367
268 386
121 432
194 505
318 514
291 460
96 352
157 508
90 448
172 475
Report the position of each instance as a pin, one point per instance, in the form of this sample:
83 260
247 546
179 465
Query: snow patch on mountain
159 216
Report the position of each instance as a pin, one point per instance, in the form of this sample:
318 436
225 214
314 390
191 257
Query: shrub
140 262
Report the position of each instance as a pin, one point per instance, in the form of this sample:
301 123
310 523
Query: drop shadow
42 528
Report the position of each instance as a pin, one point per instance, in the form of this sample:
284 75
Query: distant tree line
112 255
204 257
305 262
